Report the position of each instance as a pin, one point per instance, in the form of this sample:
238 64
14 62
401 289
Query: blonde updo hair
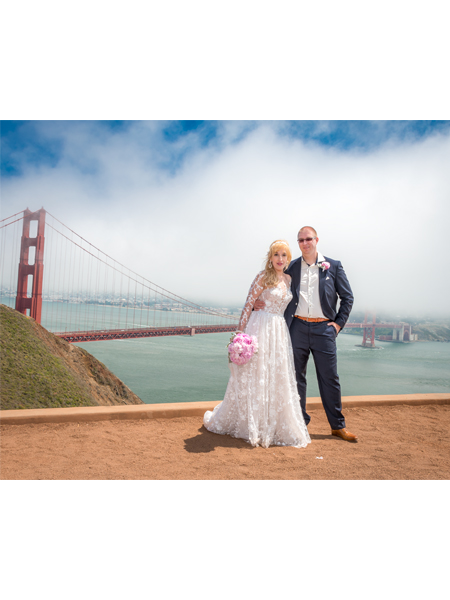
270 276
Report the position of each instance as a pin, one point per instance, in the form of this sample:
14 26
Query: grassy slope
38 370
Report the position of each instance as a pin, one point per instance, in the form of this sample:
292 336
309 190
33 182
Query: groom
317 282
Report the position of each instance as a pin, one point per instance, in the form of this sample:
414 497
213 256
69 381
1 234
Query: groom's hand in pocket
259 305
335 325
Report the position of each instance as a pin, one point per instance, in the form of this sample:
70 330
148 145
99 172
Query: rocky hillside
39 370
433 332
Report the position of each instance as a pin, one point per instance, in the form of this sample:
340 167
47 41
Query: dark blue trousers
320 339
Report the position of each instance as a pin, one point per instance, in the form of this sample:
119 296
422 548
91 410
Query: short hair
308 227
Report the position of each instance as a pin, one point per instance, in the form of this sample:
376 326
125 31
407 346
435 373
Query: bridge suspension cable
10 234
85 289
163 291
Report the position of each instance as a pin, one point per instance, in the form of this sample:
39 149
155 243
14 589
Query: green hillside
39 370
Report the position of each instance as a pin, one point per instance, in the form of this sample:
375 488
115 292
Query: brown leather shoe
344 434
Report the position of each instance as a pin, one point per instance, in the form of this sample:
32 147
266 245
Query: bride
261 403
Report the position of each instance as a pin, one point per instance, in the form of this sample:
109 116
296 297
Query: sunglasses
301 240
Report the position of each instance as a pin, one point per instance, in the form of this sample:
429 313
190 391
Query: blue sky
39 143
194 205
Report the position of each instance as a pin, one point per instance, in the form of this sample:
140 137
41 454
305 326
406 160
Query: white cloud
203 233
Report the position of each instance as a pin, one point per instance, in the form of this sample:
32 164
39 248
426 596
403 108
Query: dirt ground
398 442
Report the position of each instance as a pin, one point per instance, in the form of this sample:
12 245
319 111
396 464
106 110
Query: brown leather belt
311 319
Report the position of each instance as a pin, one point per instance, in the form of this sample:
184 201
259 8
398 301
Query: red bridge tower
369 332
23 302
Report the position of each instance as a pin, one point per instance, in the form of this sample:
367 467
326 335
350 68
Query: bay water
192 369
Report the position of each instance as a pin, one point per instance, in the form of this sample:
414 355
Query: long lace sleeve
255 290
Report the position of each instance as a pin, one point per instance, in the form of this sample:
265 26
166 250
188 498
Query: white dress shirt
308 297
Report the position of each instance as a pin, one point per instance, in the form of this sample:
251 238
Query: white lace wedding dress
261 403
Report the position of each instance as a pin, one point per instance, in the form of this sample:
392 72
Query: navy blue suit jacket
333 284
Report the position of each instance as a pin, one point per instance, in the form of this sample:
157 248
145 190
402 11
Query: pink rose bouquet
241 348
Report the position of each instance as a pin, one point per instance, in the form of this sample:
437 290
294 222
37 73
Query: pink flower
325 265
241 348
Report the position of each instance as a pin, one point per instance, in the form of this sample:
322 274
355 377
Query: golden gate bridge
84 295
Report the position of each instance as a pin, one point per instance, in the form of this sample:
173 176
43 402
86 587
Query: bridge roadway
126 334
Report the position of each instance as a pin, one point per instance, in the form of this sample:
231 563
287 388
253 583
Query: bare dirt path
398 442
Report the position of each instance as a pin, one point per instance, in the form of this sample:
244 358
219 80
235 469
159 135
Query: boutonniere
324 265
